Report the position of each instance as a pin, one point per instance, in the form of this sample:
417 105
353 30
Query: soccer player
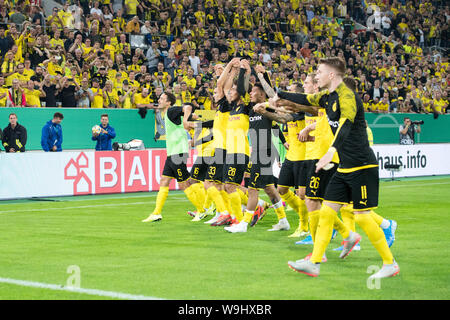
176 123
303 174
356 179
316 183
262 157
292 173
388 226
237 147
203 140
215 170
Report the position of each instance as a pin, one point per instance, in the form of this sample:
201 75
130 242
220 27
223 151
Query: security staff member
14 135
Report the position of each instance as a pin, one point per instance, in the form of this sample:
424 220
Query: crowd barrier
40 174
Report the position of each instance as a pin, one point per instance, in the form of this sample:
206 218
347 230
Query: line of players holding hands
329 161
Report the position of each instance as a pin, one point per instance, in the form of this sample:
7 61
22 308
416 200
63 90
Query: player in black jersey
262 157
356 178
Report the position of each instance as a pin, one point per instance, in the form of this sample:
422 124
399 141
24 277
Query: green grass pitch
179 259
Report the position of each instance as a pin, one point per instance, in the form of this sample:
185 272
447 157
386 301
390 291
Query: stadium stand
396 50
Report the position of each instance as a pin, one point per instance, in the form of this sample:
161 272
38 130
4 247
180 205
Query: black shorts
359 187
261 175
234 168
200 168
292 174
215 169
317 183
175 167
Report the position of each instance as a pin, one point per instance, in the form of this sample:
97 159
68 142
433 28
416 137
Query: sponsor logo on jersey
255 118
334 124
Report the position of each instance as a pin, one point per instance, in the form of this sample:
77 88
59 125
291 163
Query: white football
96 129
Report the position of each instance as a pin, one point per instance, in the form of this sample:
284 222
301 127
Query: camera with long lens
419 122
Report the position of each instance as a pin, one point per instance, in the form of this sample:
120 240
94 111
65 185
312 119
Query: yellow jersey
297 149
237 130
98 98
139 99
205 149
3 91
220 124
32 97
323 137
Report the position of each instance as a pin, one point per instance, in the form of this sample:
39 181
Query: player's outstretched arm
290 106
261 108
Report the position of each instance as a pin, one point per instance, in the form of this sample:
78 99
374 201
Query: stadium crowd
83 55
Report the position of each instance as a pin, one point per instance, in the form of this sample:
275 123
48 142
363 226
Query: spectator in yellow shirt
8 67
131 7
186 96
189 80
20 75
53 65
143 99
27 71
55 19
126 94
133 26
56 40
98 94
110 96
33 94
3 92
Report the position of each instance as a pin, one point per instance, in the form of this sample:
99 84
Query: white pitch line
416 185
84 207
93 292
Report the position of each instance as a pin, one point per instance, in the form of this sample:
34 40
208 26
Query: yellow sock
161 199
279 210
313 222
292 200
348 217
378 219
376 236
248 215
208 200
299 206
323 233
243 196
341 227
215 195
200 194
226 200
236 205
191 195
303 215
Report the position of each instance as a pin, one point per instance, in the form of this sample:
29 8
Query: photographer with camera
67 93
106 134
408 130
204 97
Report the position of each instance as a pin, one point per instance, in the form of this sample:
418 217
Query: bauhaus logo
75 170
117 172
121 171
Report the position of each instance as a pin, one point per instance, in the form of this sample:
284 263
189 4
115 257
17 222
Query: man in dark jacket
105 136
51 139
14 135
